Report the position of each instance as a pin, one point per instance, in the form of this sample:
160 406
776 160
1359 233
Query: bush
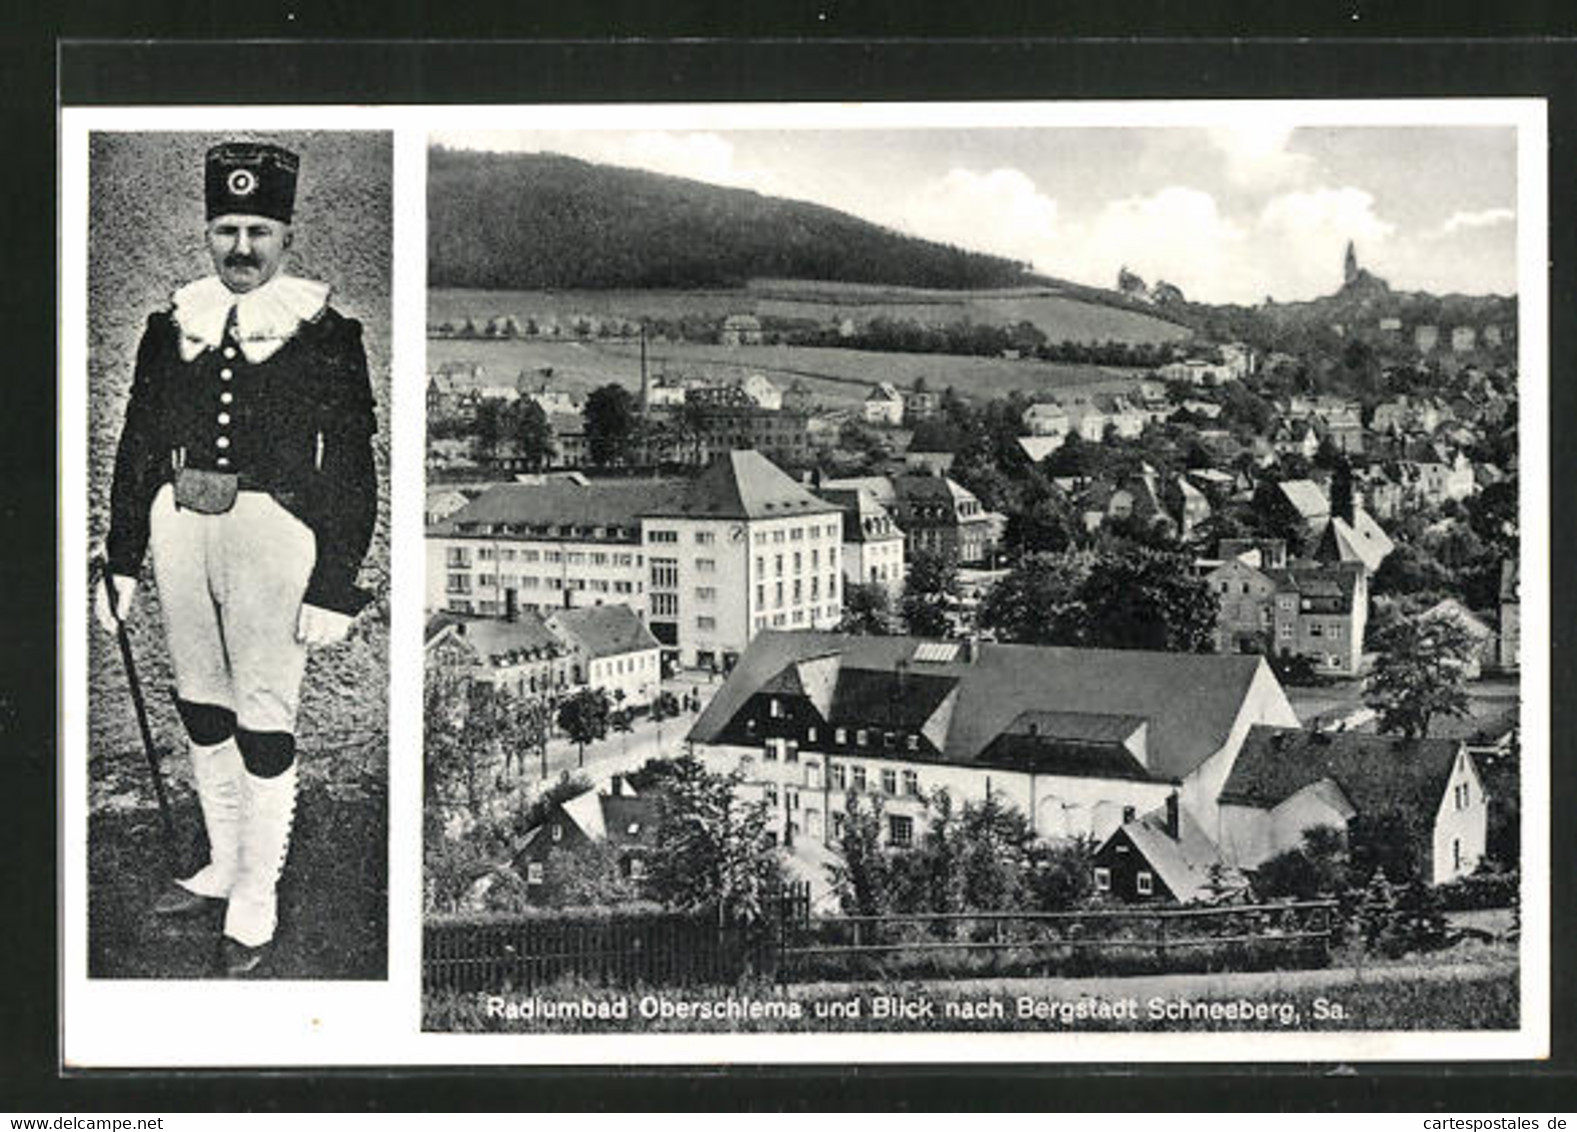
1480 890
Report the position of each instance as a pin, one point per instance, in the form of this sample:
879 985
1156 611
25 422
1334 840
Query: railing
1087 942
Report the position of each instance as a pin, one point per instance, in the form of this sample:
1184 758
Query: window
662 536
534 872
862 737
900 831
837 776
1103 880
797 534
665 573
637 868
558 832
912 742
761 594
1456 854
911 783
790 798
704 622
706 593
555 556
706 565
777 564
484 554
663 605
1144 883
840 735
705 538
799 562
775 708
858 777
770 793
889 781
459 556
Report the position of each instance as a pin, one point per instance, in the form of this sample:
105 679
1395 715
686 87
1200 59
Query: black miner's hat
251 178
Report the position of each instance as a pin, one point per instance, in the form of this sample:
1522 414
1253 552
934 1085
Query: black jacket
298 425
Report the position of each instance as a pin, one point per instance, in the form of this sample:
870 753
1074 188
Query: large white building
873 546
1078 740
706 562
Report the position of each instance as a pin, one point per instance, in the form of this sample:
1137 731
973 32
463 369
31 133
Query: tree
610 423
1040 601
929 590
713 850
1063 874
1147 599
488 426
867 610
1421 673
533 434
585 717
860 875
588 876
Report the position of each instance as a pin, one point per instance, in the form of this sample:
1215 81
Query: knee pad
267 754
207 724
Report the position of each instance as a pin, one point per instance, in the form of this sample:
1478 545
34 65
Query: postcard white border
139 1024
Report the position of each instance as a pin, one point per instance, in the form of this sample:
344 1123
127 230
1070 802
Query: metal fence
675 949
1088 942
620 949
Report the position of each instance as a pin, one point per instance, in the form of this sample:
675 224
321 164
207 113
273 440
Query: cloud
1485 218
1001 212
1177 233
1257 156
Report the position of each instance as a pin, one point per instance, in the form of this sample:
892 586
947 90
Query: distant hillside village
1108 609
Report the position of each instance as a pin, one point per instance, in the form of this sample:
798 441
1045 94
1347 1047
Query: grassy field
1477 991
1058 315
838 378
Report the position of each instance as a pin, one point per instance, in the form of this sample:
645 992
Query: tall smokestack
511 604
1173 819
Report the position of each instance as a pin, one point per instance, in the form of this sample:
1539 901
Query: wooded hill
536 221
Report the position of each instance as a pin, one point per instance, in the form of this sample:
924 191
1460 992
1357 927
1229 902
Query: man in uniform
245 468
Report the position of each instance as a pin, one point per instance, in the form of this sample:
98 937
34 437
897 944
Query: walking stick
141 708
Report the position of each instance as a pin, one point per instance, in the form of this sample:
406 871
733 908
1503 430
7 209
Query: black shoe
238 961
173 900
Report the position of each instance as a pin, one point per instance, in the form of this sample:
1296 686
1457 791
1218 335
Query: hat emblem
241 182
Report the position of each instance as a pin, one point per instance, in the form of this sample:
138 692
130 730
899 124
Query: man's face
247 250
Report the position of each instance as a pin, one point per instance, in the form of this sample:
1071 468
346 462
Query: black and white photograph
237 389
977 573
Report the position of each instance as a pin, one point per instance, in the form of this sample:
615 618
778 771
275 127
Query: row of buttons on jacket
225 398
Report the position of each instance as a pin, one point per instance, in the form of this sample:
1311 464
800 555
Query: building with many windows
873 546
705 562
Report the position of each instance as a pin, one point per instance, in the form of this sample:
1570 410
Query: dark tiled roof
1191 701
606 630
630 821
602 503
743 485
881 698
1182 862
1374 771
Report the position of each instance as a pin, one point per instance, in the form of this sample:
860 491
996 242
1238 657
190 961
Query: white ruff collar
265 318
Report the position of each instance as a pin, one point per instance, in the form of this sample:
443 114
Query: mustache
238 259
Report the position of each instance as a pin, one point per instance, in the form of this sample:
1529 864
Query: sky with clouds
1227 214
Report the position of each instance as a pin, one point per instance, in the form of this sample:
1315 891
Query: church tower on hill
1350 267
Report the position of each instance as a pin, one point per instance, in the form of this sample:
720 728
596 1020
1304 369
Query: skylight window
936 652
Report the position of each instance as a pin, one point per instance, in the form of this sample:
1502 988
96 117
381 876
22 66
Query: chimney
616 786
1128 814
1172 817
970 650
511 605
